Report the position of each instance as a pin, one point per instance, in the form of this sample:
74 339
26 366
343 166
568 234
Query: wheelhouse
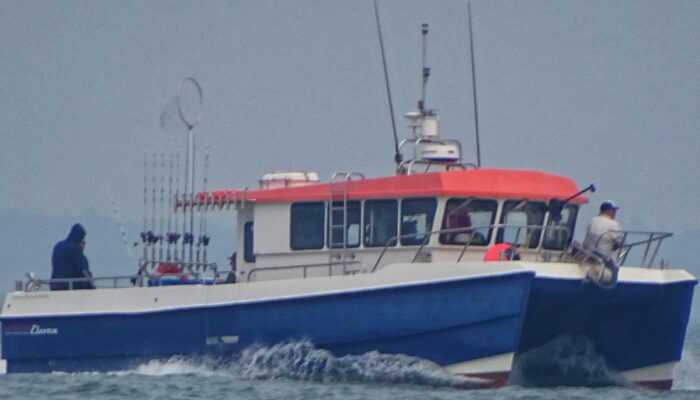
348 224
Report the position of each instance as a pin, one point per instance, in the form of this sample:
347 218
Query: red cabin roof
489 183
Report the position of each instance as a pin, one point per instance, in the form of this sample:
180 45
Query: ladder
338 218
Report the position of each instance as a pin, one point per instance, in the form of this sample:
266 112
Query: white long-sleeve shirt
602 233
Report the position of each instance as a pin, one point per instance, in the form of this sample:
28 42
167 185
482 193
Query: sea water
298 370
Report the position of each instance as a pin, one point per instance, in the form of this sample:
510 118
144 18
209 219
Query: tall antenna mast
425 71
397 153
476 105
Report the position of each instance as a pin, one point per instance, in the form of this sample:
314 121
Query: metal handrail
303 267
624 248
34 283
346 175
531 229
428 235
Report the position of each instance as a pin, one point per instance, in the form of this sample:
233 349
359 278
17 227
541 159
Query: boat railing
626 242
204 274
34 284
304 268
426 236
649 242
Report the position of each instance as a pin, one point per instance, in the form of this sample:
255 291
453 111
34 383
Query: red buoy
501 252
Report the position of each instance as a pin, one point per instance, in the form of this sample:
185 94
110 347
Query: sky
604 92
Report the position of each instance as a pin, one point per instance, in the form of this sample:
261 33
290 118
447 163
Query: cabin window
558 234
523 223
417 220
248 254
469 221
308 220
336 225
381 218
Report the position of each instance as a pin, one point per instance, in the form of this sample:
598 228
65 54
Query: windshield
523 222
558 234
470 219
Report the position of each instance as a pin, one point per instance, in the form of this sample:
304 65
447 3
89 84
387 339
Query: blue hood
77 233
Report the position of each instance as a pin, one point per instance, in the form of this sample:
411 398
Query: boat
341 264
465 266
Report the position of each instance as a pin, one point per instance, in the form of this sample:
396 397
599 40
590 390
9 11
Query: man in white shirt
604 234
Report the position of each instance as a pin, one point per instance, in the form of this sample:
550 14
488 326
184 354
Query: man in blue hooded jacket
69 261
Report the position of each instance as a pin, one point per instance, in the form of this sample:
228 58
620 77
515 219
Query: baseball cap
608 205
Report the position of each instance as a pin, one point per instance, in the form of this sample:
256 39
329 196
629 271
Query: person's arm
85 270
618 235
589 239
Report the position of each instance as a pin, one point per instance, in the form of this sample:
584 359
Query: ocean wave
300 360
178 365
568 360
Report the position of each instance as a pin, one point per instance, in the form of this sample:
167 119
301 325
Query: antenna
476 105
425 71
397 153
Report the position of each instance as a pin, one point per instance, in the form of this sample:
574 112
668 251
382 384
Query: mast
473 70
397 152
425 70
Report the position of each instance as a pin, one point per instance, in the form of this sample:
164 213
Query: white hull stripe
499 363
659 372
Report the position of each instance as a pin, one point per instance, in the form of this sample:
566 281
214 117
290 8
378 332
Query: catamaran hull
638 327
471 325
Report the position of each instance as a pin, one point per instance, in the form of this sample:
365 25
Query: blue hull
447 323
632 326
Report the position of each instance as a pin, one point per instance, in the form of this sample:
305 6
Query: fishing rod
185 199
590 188
203 240
173 235
201 208
192 199
170 206
122 228
144 232
153 236
556 206
161 223
397 153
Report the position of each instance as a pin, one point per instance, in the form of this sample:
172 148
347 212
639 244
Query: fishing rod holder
149 237
203 240
173 237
